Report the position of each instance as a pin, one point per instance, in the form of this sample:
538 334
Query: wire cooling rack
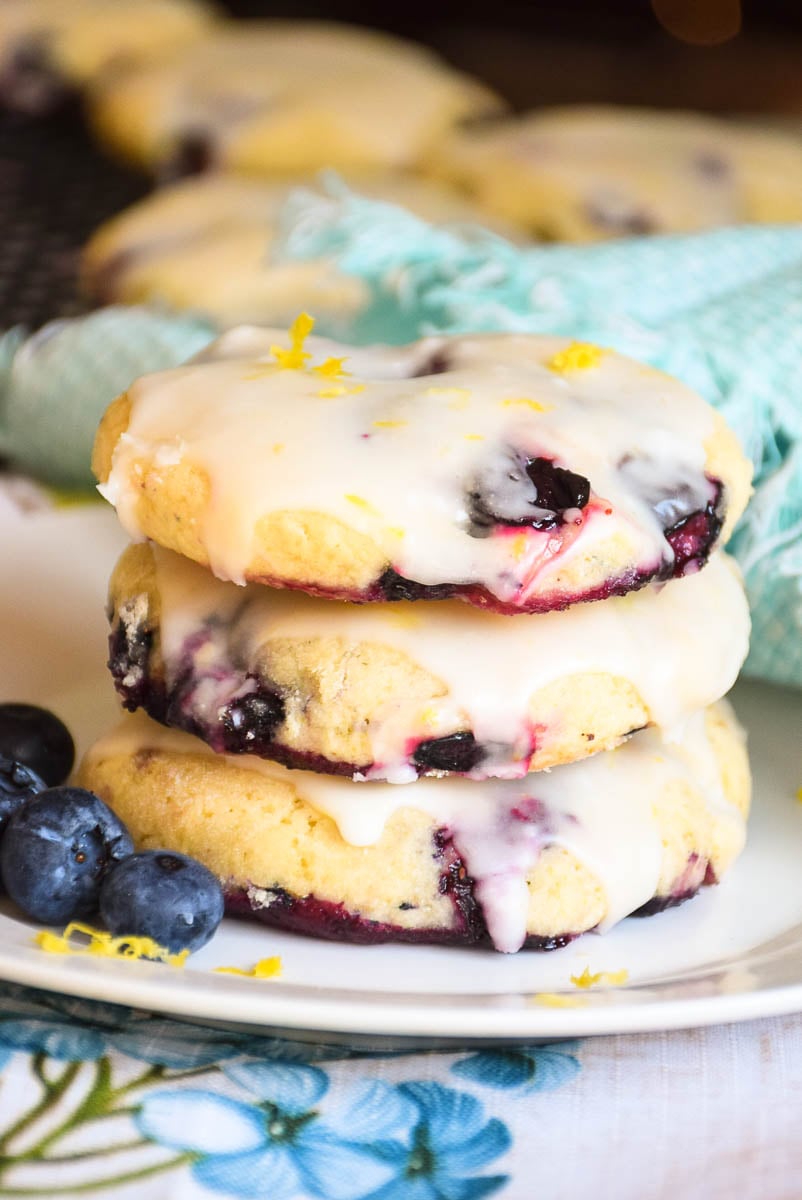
55 189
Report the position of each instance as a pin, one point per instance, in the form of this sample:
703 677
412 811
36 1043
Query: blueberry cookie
49 48
205 244
519 473
587 174
393 691
529 862
270 97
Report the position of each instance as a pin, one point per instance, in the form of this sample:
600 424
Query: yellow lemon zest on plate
266 968
296 357
555 1000
389 424
396 531
579 356
474 437
106 945
526 402
605 978
277 447
340 389
459 395
331 368
362 503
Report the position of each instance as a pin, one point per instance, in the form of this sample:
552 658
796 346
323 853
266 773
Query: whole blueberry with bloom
56 850
162 895
380 1141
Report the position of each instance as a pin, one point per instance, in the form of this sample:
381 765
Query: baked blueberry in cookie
397 690
508 863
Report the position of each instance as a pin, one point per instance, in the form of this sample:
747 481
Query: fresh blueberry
56 850
36 737
162 895
17 784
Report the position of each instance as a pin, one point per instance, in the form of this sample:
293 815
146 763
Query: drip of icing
412 452
601 810
490 665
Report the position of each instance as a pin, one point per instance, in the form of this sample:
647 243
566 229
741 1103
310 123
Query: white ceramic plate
733 952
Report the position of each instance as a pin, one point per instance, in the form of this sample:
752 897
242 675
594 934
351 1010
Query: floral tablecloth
111 1102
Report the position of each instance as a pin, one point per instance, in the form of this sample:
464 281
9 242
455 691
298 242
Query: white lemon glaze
393 455
680 645
601 810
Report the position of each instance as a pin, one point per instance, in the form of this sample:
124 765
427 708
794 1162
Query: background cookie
585 174
204 244
50 46
522 473
393 691
533 862
280 96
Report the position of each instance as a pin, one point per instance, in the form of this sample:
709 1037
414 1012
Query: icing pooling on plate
490 665
601 810
408 448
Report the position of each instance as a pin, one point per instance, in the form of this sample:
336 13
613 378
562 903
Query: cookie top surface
616 814
279 96
591 173
204 244
78 39
522 473
393 691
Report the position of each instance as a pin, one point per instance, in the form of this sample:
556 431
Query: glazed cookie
392 691
586 174
205 244
51 47
532 862
520 473
270 97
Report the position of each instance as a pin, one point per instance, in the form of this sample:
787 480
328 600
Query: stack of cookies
427 640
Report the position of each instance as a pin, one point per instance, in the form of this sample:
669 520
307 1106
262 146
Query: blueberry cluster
64 855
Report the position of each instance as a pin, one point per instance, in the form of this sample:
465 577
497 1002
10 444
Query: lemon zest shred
474 437
579 356
277 447
519 546
296 357
331 368
526 402
396 531
605 978
106 945
340 389
389 424
556 1000
266 968
360 502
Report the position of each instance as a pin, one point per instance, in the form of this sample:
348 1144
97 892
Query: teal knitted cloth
721 311
56 385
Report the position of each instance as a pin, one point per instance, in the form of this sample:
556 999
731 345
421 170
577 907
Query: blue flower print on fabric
450 1141
523 1069
282 1146
76 1030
